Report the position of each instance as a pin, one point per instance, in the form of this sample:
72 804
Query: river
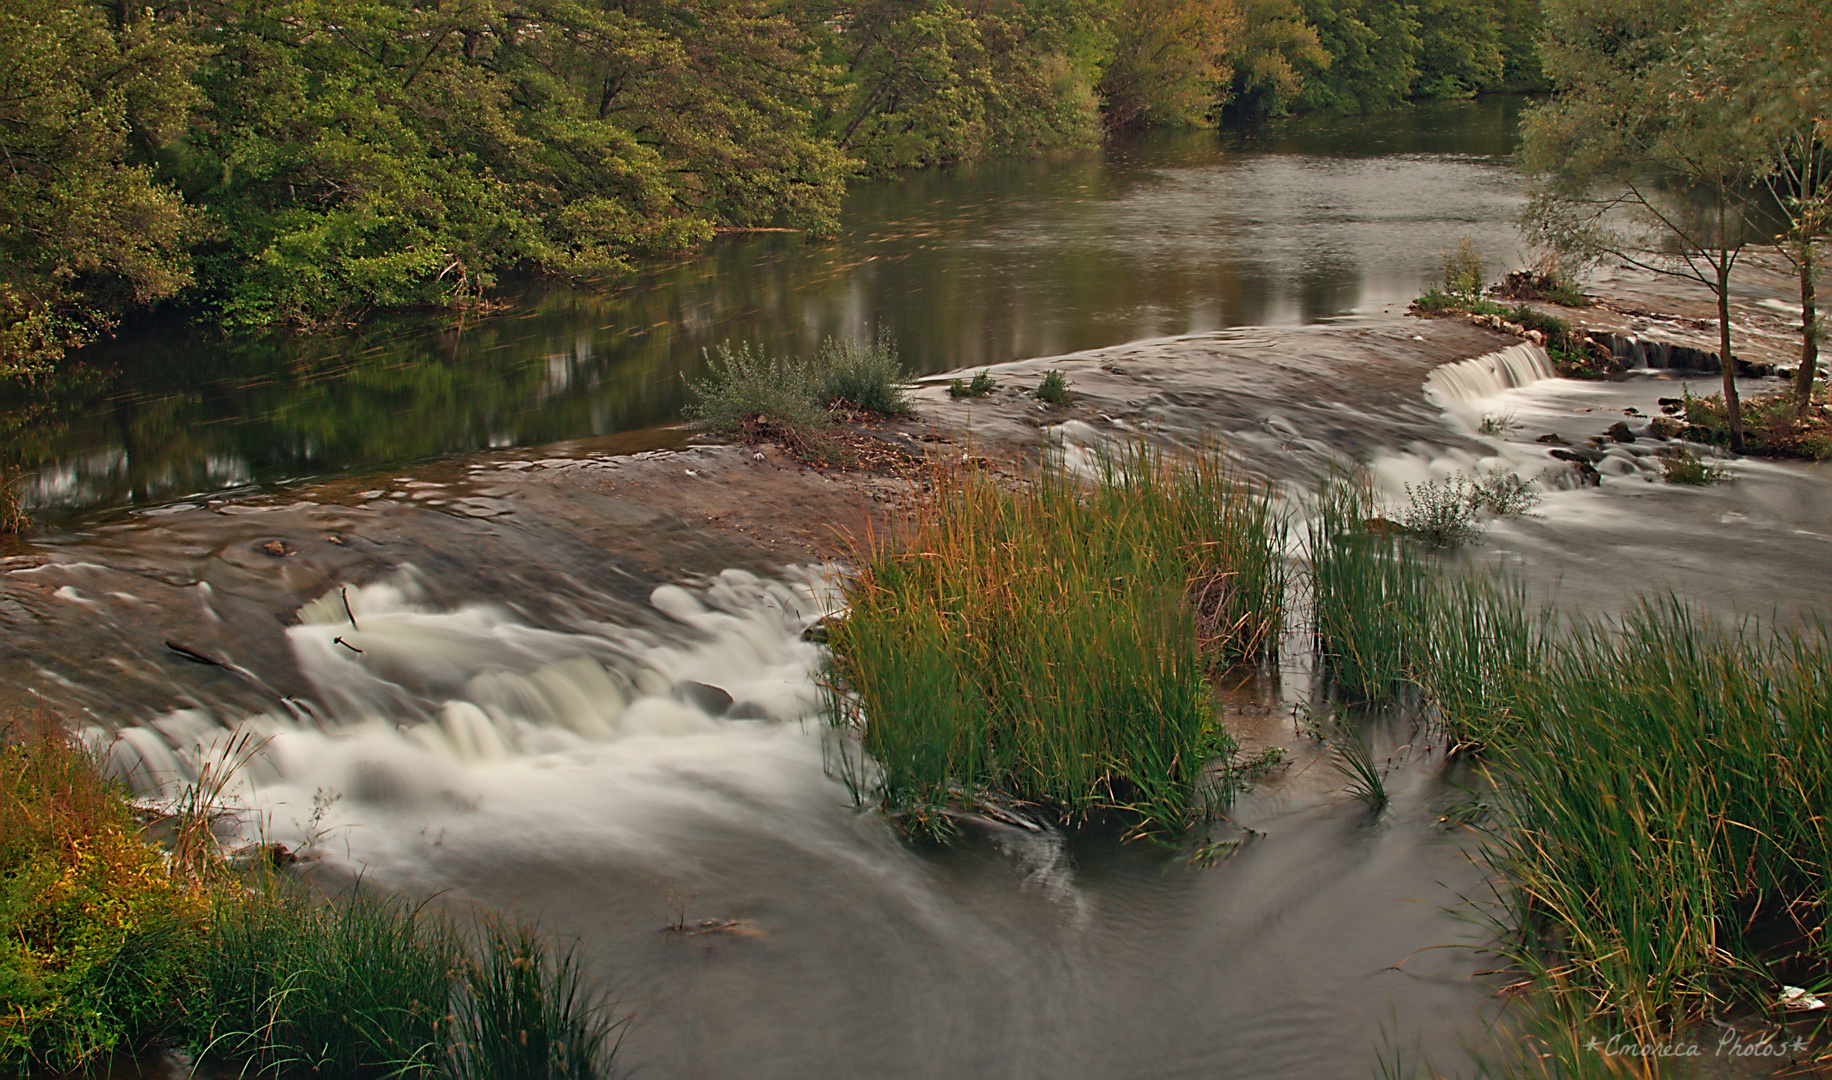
527 725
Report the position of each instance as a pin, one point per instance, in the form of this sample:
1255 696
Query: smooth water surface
976 264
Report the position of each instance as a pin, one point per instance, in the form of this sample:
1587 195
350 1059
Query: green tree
389 153
1373 47
1459 48
1171 61
1635 160
931 82
1772 59
86 232
1274 53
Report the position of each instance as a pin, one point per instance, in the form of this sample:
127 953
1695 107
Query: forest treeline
300 161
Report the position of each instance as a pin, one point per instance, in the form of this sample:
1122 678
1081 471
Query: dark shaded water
1176 233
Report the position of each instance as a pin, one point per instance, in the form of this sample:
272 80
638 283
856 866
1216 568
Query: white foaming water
420 718
1489 374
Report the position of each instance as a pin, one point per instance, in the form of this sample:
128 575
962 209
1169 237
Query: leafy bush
756 396
98 935
1441 512
1504 494
745 388
1446 513
1684 467
981 385
1463 273
1054 389
859 374
1498 424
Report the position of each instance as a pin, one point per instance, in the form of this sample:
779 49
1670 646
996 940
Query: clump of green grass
1049 640
1366 591
525 1010
981 384
1661 812
1353 758
1659 779
98 934
359 987
370 986
1054 389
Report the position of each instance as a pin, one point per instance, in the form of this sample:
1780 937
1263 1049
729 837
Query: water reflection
1176 233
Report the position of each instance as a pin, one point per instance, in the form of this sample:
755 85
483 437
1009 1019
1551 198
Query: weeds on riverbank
1050 639
793 400
1682 466
1772 424
110 942
98 934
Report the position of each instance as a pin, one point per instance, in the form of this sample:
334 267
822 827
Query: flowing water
474 678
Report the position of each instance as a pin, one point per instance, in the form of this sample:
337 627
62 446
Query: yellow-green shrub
94 933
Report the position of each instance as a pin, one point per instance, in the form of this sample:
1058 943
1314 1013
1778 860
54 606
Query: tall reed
369 985
1662 810
1660 779
1368 592
1050 639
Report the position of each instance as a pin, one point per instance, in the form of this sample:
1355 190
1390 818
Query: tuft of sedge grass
1367 592
1658 833
1050 639
1661 812
98 933
525 1010
370 985
358 987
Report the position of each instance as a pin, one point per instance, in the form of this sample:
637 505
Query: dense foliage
303 161
94 948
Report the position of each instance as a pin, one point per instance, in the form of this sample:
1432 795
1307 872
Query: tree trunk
1732 407
1809 333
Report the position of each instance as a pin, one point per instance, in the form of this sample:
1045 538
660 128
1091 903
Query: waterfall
1489 374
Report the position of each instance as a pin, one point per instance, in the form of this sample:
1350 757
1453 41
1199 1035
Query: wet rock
705 697
821 631
1665 427
1671 405
1583 454
1587 474
1553 439
748 710
278 549
1619 431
